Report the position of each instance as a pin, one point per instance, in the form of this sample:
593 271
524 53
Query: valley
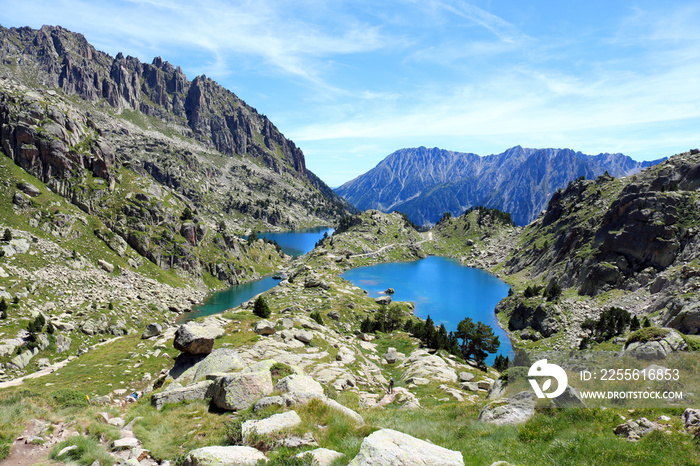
129 194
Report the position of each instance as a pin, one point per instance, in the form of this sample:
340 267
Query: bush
647 334
261 309
553 291
316 315
7 236
532 291
69 397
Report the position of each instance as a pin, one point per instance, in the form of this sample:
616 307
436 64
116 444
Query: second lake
439 287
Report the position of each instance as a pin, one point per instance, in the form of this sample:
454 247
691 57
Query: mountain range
424 183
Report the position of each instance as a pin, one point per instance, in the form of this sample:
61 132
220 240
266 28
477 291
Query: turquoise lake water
439 287
299 242
294 243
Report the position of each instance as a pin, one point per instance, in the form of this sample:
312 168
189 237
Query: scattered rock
264 327
126 443
322 456
198 391
224 456
66 450
633 430
383 300
271 425
516 409
391 356
300 387
389 291
28 189
466 377
691 420
335 315
571 398
106 266
304 336
152 330
240 391
388 447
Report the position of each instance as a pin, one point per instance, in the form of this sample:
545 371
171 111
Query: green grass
89 450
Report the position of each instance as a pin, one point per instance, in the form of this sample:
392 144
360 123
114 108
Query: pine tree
261 309
634 324
7 237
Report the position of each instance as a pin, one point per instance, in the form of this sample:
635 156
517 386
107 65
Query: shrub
316 315
69 397
647 334
7 236
553 291
261 309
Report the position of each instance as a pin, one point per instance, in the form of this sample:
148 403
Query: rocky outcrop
270 425
634 430
176 394
513 410
422 364
387 447
194 338
240 391
657 348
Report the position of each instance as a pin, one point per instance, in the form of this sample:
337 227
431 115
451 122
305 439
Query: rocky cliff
55 58
425 183
173 167
631 242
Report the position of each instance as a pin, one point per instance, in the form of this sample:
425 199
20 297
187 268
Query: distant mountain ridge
424 183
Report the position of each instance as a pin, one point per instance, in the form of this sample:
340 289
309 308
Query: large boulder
28 189
240 391
194 338
516 409
220 360
224 456
198 391
152 330
264 327
391 356
422 364
383 300
322 456
388 447
270 425
304 336
658 348
300 387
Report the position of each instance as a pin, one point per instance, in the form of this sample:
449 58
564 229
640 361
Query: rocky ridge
424 183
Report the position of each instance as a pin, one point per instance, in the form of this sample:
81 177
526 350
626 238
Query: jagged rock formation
59 59
425 183
170 167
635 234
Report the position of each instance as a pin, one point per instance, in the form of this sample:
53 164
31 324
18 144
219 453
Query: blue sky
350 82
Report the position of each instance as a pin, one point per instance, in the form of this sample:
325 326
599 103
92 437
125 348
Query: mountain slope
171 167
424 183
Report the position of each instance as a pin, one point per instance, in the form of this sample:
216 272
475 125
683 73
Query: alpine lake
439 287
